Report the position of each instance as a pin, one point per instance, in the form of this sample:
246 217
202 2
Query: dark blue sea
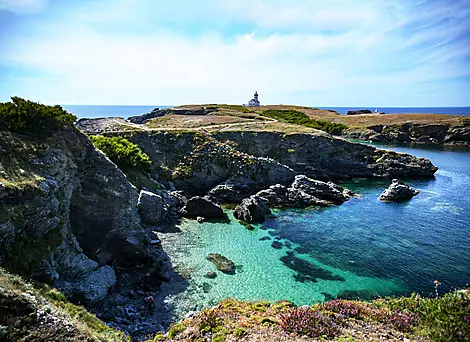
407 110
86 111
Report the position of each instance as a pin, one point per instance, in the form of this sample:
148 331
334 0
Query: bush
442 319
299 118
122 152
23 116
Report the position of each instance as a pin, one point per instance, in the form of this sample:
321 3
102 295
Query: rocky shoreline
436 134
92 230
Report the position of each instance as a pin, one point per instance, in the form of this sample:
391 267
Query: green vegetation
175 329
23 116
122 152
237 108
443 319
299 118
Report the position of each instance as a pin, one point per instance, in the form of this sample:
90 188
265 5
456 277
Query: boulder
398 191
252 209
202 207
222 263
95 286
150 208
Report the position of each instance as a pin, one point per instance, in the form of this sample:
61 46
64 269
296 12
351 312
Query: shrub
122 152
23 116
299 118
311 323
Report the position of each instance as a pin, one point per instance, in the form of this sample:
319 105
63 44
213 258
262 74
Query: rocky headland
72 219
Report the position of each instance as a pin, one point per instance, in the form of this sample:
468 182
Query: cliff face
447 134
196 162
68 216
325 157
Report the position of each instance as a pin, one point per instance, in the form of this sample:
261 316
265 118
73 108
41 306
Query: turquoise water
361 249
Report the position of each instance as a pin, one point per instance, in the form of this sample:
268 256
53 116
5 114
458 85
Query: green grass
237 108
302 119
122 152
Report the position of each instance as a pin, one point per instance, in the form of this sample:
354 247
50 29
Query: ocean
89 111
407 110
361 249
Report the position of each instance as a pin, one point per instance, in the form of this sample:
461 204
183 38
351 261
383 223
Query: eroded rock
252 209
202 207
398 191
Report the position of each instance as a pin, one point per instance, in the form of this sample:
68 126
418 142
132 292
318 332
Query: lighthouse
254 102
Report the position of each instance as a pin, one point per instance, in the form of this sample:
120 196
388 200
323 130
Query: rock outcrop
252 209
222 263
398 191
202 207
155 113
305 192
321 156
445 134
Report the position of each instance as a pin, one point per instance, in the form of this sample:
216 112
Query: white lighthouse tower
254 102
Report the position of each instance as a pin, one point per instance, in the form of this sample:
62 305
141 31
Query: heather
414 318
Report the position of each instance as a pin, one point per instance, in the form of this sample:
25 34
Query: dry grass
239 118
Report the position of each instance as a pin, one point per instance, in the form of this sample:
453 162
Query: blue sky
308 52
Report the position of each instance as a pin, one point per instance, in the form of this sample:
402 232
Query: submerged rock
252 209
222 263
210 275
202 207
398 191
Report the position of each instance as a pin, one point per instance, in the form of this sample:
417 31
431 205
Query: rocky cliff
321 156
69 217
438 133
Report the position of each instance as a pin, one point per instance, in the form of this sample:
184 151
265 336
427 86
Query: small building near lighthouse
254 102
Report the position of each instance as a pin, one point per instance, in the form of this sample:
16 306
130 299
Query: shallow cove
361 249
